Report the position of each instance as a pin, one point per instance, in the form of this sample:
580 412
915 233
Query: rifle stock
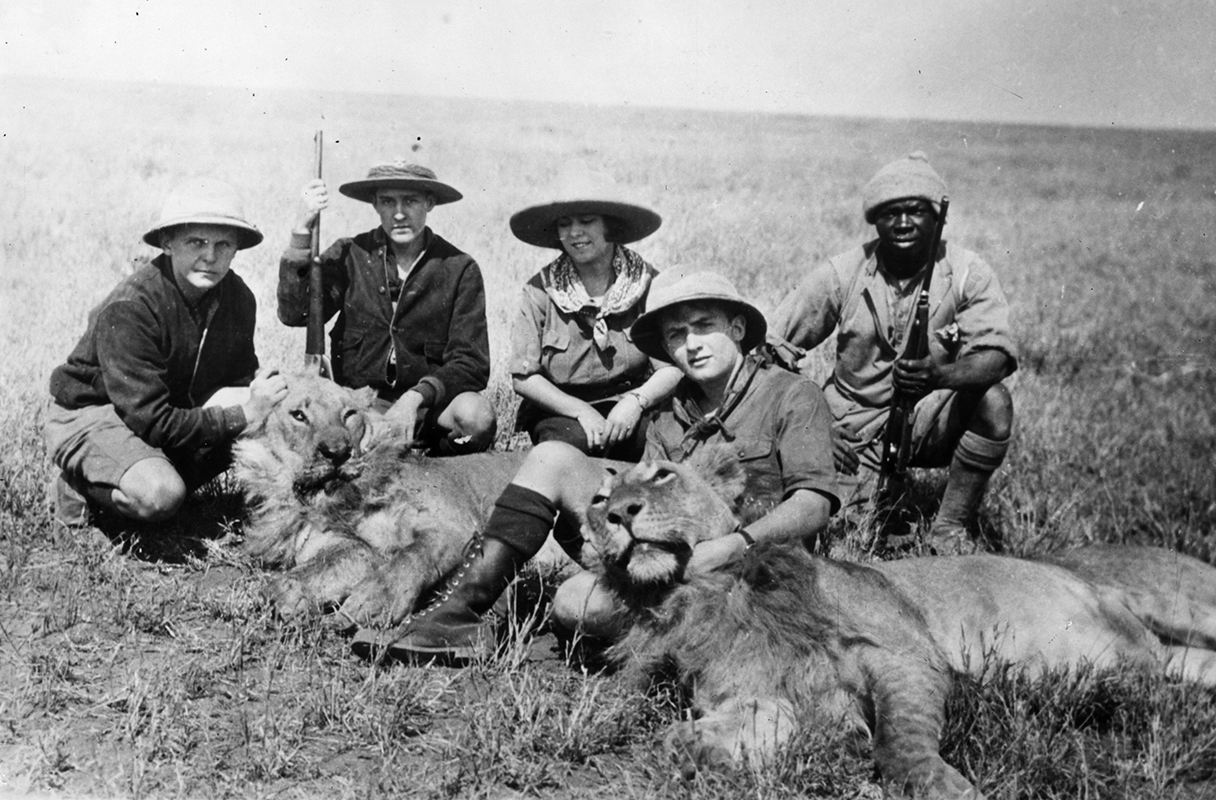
314 344
897 437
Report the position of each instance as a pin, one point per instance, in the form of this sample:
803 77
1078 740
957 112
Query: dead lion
361 525
783 639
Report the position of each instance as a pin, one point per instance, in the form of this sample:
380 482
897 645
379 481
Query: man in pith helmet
411 309
776 422
165 376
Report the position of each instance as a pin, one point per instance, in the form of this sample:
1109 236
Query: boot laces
472 551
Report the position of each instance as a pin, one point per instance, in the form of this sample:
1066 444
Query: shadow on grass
213 512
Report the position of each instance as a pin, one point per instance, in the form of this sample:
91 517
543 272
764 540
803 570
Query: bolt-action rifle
314 344
897 438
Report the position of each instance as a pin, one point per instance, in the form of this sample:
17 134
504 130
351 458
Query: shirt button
381 290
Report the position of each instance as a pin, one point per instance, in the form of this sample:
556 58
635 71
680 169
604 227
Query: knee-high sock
974 461
521 519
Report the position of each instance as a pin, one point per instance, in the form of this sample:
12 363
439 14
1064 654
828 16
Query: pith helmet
205 201
673 287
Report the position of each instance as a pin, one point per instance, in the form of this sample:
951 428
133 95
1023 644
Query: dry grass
161 673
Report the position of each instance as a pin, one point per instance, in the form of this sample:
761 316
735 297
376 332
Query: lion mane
359 523
782 639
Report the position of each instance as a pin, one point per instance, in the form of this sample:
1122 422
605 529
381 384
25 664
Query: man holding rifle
963 415
411 309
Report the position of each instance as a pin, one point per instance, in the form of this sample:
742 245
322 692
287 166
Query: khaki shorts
92 446
936 429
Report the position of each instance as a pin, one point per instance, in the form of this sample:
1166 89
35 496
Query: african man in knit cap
868 295
165 377
411 309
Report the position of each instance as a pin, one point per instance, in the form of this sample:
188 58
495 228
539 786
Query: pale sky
1123 63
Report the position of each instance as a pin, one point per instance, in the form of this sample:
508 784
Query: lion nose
624 513
335 453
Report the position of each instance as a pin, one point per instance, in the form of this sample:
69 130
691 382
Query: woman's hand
623 419
595 426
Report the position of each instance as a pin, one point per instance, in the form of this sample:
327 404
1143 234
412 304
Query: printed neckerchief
705 425
565 288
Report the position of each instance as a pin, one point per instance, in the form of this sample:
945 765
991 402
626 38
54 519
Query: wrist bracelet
748 541
638 396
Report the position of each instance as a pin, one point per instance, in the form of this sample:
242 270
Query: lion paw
693 750
291 598
373 604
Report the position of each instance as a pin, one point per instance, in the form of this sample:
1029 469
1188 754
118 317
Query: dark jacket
140 352
437 334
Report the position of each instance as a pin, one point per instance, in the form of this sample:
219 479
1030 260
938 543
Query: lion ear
362 398
719 466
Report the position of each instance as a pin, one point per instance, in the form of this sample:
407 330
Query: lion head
646 520
308 439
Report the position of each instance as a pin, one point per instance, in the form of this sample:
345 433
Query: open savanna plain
154 668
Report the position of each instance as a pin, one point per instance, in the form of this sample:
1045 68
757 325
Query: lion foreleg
741 731
387 595
1192 664
909 697
325 580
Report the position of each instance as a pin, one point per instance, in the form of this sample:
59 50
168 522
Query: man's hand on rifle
843 452
313 200
918 377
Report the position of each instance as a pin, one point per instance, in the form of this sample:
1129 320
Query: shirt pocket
758 458
554 343
555 337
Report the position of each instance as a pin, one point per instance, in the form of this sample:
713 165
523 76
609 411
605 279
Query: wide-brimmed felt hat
907 178
205 201
582 190
673 287
400 175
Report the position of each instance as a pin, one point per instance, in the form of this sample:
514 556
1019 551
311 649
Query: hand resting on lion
359 523
782 639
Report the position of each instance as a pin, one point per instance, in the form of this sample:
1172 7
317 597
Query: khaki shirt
557 345
777 422
872 316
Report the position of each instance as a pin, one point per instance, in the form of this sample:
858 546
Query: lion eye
349 414
298 415
663 475
599 499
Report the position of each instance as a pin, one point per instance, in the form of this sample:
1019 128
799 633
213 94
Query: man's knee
549 463
993 417
150 491
471 414
580 604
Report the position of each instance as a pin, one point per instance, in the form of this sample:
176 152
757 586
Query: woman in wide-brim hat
581 378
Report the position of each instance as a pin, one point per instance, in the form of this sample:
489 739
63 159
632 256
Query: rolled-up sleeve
983 313
811 311
526 332
804 442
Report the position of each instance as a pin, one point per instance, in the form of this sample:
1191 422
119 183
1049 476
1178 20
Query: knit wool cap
673 287
205 201
400 175
903 179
